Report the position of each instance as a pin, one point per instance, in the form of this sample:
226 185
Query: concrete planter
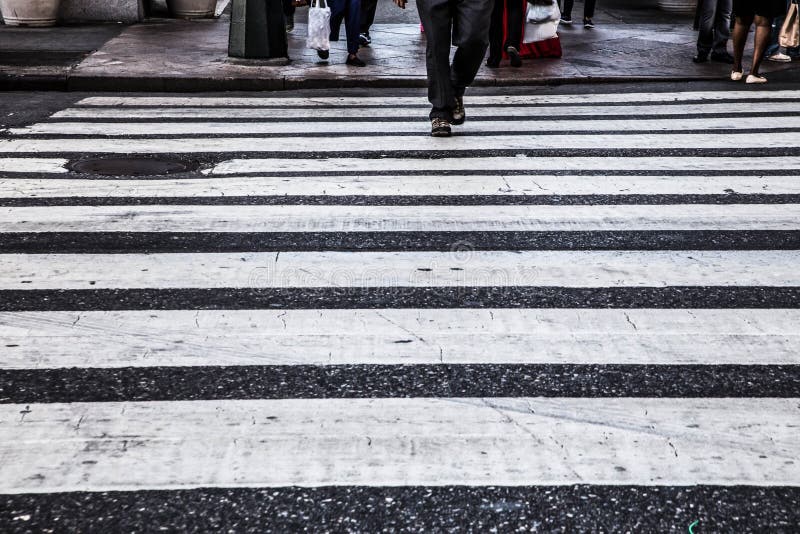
685 7
191 9
35 13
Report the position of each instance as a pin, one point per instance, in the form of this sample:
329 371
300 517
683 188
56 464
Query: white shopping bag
541 22
319 26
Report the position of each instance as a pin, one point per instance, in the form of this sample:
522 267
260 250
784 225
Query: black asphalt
566 509
675 297
382 381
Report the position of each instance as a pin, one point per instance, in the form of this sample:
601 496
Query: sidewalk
175 55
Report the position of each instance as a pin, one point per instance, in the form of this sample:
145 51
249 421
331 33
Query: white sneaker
780 58
752 78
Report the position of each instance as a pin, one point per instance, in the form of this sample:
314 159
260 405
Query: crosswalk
582 312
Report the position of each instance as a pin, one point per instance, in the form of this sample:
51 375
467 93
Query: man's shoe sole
458 122
441 133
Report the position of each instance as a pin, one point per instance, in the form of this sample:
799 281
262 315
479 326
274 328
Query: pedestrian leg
436 19
722 27
588 9
566 13
740 32
337 16
471 36
763 31
705 39
352 25
496 34
516 14
368 9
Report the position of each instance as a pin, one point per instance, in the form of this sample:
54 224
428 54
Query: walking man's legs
436 19
471 37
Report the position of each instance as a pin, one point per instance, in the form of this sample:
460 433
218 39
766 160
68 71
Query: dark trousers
512 30
715 26
368 8
466 24
588 9
288 8
350 12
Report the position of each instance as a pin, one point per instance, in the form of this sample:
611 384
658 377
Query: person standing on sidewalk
368 9
760 13
588 13
505 32
715 30
350 12
465 23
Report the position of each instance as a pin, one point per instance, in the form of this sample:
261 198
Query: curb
78 82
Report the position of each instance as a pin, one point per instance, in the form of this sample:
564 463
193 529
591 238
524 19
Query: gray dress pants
466 24
715 26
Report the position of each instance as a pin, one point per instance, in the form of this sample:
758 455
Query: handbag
319 26
790 31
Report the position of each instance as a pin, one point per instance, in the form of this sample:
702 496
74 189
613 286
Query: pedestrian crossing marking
288 218
135 357
55 340
401 269
601 166
399 442
450 186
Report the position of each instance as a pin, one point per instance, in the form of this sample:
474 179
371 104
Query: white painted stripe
52 340
293 218
398 442
285 112
33 165
401 186
394 144
493 165
518 100
339 127
401 269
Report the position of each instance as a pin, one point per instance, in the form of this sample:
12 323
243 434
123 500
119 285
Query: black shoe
587 23
722 57
513 55
493 62
323 54
364 39
440 128
459 115
700 58
355 61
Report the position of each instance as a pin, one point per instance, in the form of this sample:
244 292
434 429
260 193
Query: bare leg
763 31
740 32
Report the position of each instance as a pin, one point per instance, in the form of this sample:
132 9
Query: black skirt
764 8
